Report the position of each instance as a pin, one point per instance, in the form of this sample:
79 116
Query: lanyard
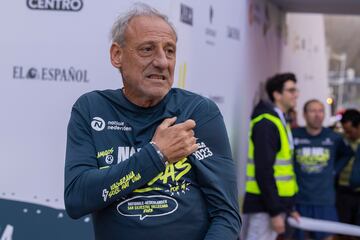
282 118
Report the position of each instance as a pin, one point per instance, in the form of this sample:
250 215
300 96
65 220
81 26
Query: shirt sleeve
216 173
266 141
88 188
343 154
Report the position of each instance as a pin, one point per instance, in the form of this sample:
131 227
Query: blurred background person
319 152
270 179
348 185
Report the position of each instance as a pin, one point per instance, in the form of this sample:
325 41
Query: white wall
304 53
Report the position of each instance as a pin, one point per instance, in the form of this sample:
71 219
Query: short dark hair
351 115
277 82
306 105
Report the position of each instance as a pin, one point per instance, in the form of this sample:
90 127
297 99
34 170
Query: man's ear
277 96
116 54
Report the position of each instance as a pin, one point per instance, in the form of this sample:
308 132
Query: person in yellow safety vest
270 179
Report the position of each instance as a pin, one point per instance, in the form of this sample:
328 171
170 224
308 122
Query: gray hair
139 9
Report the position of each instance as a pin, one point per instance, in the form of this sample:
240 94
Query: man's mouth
156 77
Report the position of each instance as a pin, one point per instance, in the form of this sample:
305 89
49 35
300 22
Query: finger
193 148
188 124
168 122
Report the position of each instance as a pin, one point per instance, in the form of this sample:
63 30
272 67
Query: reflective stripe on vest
283 168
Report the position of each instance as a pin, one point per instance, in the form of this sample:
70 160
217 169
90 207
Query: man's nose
160 59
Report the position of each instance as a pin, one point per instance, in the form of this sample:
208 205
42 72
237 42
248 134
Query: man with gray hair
149 160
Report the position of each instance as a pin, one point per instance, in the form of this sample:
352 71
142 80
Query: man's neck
141 102
313 131
281 107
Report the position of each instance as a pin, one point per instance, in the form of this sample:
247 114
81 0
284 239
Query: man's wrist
158 151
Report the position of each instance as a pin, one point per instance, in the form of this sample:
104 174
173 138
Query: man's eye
170 52
146 50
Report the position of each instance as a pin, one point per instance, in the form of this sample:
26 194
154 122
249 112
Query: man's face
147 61
314 115
289 95
351 132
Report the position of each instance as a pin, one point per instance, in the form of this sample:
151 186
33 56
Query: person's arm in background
343 154
216 173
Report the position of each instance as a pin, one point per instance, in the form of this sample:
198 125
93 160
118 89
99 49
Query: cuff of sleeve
275 212
158 162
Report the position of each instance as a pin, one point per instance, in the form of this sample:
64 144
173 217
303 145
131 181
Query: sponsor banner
55 5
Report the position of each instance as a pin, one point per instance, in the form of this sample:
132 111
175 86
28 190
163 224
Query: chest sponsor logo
8 233
327 142
98 124
119 126
148 206
298 141
126 152
312 159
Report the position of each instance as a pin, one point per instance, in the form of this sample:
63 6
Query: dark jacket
266 139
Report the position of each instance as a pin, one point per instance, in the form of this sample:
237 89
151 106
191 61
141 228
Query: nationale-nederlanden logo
55 5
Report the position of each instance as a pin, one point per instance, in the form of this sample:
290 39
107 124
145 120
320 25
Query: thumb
168 122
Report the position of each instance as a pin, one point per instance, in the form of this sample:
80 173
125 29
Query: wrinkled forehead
141 26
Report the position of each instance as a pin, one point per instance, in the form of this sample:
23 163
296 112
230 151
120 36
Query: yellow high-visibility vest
283 168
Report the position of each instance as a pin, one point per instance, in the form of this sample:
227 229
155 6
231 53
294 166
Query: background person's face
314 115
148 58
352 133
289 95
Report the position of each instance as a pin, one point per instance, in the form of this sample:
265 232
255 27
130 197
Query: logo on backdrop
210 32
52 74
55 5
233 33
186 14
259 13
211 14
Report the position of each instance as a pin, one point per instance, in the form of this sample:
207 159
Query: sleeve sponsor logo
124 183
109 159
203 152
148 206
105 153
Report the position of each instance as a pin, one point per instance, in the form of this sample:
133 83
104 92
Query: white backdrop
304 53
39 44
